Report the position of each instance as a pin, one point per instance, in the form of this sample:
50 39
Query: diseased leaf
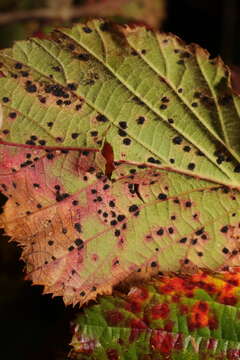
190 317
170 200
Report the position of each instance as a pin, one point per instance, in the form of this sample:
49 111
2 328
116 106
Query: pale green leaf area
168 112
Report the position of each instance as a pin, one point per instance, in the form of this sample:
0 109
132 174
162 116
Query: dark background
38 327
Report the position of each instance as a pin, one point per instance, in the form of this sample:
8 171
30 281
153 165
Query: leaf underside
177 318
168 113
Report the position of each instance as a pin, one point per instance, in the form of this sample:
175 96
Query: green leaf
189 317
169 115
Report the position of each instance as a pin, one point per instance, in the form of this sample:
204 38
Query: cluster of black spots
172 161
50 242
101 118
199 253
87 29
170 121
177 140
180 90
140 120
132 171
30 87
186 261
5 99
71 248
137 100
222 156
173 217
50 124
153 161
183 240
56 90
